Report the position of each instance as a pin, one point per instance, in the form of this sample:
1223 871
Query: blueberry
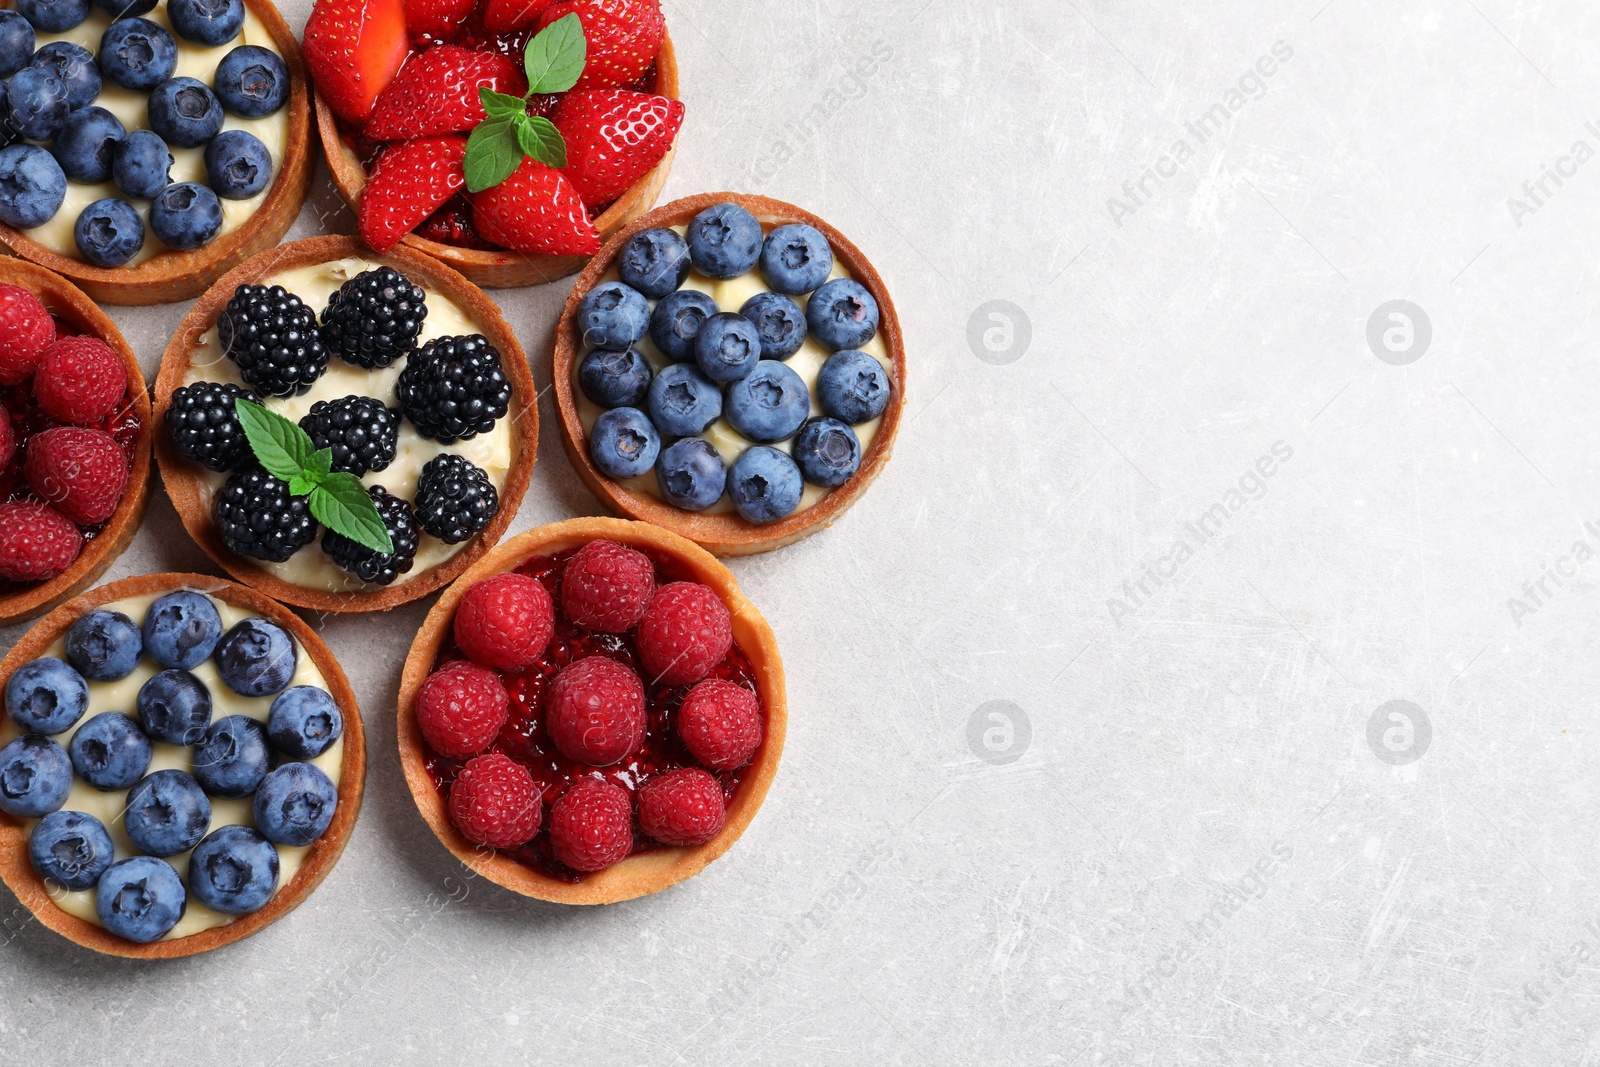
86 145
691 474
137 54
852 387
110 751
234 870
54 16
256 658
683 402
167 813
70 849
35 776
36 103
827 452
174 706
46 696
140 164
251 81
181 629
724 241
779 323
613 316
295 804
233 758
32 186
304 721
104 646
765 485
125 9
769 404
75 66
624 443
615 379
185 215
16 42
727 348
238 165
207 22
676 322
655 262
109 232
185 112
140 898
842 314
795 259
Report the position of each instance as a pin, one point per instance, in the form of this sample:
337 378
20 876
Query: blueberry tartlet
730 368
181 763
345 431
593 713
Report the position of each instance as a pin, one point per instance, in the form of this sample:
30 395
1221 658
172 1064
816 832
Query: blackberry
362 432
374 318
272 336
258 518
204 425
453 388
455 498
376 567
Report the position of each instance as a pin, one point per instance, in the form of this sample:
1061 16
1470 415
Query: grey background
1186 838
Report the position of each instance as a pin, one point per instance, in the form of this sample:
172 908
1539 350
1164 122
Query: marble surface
1094 753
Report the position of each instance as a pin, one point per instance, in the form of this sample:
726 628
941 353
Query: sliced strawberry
614 138
623 38
439 19
409 182
437 92
507 16
353 49
536 211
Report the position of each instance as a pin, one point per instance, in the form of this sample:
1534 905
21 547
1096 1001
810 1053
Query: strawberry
614 138
353 49
536 211
408 183
507 16
437 92
623 38
438 19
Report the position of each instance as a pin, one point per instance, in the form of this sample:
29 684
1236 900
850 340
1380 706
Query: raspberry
36 542
80 380
8 440
505 622
81 472
591 826
720 724
494 802
682 807
26 330
460 708
594 710
684 633
606 587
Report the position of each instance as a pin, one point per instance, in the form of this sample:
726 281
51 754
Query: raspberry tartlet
730 368
400 394
399 84
593 713
157 150
75 400
181 763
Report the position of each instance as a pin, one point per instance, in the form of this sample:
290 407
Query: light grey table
1093 756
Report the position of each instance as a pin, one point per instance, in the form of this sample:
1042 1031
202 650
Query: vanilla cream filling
310 568
730 296
188 164
108 807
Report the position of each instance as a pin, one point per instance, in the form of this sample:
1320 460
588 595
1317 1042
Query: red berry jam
525 740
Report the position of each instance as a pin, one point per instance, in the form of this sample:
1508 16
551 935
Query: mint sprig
554 62
337 499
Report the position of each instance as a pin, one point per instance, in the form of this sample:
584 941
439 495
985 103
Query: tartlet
69 305
642 873
726 534
18 873
184 480
174 275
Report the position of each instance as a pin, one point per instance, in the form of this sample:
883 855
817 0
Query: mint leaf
281 447
499 105
342 505
539 138
320 463
301 484
493 153
555 57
